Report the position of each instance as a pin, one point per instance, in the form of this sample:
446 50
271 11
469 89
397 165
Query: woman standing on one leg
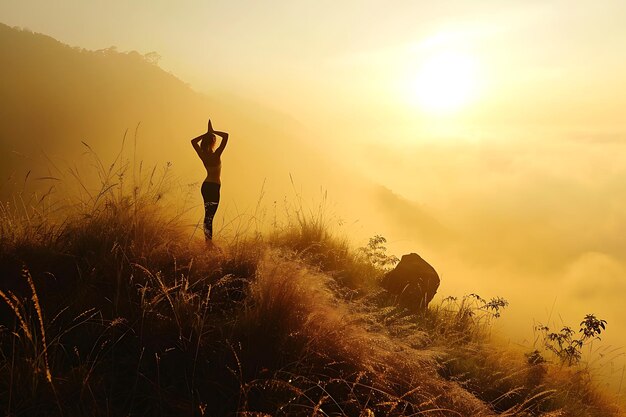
211 158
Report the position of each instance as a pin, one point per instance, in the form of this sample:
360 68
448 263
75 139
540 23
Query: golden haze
519 192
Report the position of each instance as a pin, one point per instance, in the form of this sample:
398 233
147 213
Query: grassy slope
112 310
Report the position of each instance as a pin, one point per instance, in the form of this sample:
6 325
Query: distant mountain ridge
55 96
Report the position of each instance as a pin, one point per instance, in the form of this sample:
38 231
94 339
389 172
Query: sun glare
445 82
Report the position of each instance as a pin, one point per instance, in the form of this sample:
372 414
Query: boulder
413 281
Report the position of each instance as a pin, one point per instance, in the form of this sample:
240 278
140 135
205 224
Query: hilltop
61 95
114 309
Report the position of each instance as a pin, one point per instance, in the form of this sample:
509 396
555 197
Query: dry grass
120 313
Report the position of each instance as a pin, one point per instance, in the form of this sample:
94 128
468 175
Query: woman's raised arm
195 142
223 142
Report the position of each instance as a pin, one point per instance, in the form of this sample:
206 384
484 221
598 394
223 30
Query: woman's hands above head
213 132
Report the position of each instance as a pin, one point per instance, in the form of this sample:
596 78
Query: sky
501 123
547 63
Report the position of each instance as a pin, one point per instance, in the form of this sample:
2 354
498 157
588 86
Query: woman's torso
213 166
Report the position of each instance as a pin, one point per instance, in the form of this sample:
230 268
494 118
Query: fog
538 221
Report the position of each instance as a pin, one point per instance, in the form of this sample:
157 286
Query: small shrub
376 253
473 305
564 344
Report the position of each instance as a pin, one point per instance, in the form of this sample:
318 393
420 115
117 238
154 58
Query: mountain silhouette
55 96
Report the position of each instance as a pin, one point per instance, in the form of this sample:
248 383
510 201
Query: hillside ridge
115 310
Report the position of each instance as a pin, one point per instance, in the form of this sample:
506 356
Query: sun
445 82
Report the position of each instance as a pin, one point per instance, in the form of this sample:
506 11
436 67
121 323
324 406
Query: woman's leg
211 195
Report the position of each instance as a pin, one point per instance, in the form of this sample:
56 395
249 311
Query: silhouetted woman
211 158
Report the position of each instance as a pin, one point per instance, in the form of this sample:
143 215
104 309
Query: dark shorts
210 192
211 196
